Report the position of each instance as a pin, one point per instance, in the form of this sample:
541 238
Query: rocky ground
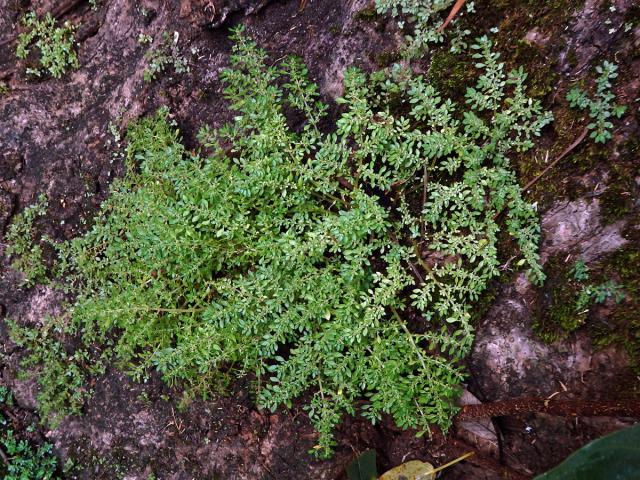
55 138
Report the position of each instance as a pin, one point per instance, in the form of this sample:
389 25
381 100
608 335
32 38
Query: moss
386 58
450 74
572 58
368 15
604 6
614 324
633 15
618 201
557 316
589 156
560 182
541 79
526 14
622 326
629 152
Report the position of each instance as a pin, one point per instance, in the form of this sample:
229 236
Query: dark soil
55 139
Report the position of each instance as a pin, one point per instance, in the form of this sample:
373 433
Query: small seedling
167 54
601 107
56 45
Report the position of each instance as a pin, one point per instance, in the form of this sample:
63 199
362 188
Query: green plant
23 245
300 257
601 109
424 17
25 461
580 271
591 294
166 54
571 297
62 370
143 38
56 44
21 461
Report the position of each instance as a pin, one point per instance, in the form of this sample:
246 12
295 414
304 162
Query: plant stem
452 462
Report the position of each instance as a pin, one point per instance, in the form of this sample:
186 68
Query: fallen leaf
413 470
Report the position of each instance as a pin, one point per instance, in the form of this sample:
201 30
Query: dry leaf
413 470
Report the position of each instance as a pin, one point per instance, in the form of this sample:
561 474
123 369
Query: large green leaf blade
614 457
363 467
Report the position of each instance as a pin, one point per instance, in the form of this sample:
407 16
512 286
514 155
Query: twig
8 40
344 183
64 9
566 152
454 11
4 457
10 414
488 463
425 182
452 462
572 408
415 270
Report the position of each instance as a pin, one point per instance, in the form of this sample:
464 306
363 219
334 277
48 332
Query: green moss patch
557 315
622 326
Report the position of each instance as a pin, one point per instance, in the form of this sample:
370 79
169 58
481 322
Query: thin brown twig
488 463
415 270
425 183
566 152
454 11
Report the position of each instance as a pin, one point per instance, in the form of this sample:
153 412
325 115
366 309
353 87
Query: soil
55 138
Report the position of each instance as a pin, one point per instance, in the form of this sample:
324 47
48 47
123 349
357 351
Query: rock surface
55 139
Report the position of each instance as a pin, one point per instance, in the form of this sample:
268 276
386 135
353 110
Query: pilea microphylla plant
55 43
344 265
601 107
421 18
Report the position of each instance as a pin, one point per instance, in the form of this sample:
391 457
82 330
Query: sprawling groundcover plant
342 265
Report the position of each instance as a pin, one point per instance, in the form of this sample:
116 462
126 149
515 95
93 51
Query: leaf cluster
601 107
590 294
56 44
23 245
424 17
23 460
62 370
159 59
